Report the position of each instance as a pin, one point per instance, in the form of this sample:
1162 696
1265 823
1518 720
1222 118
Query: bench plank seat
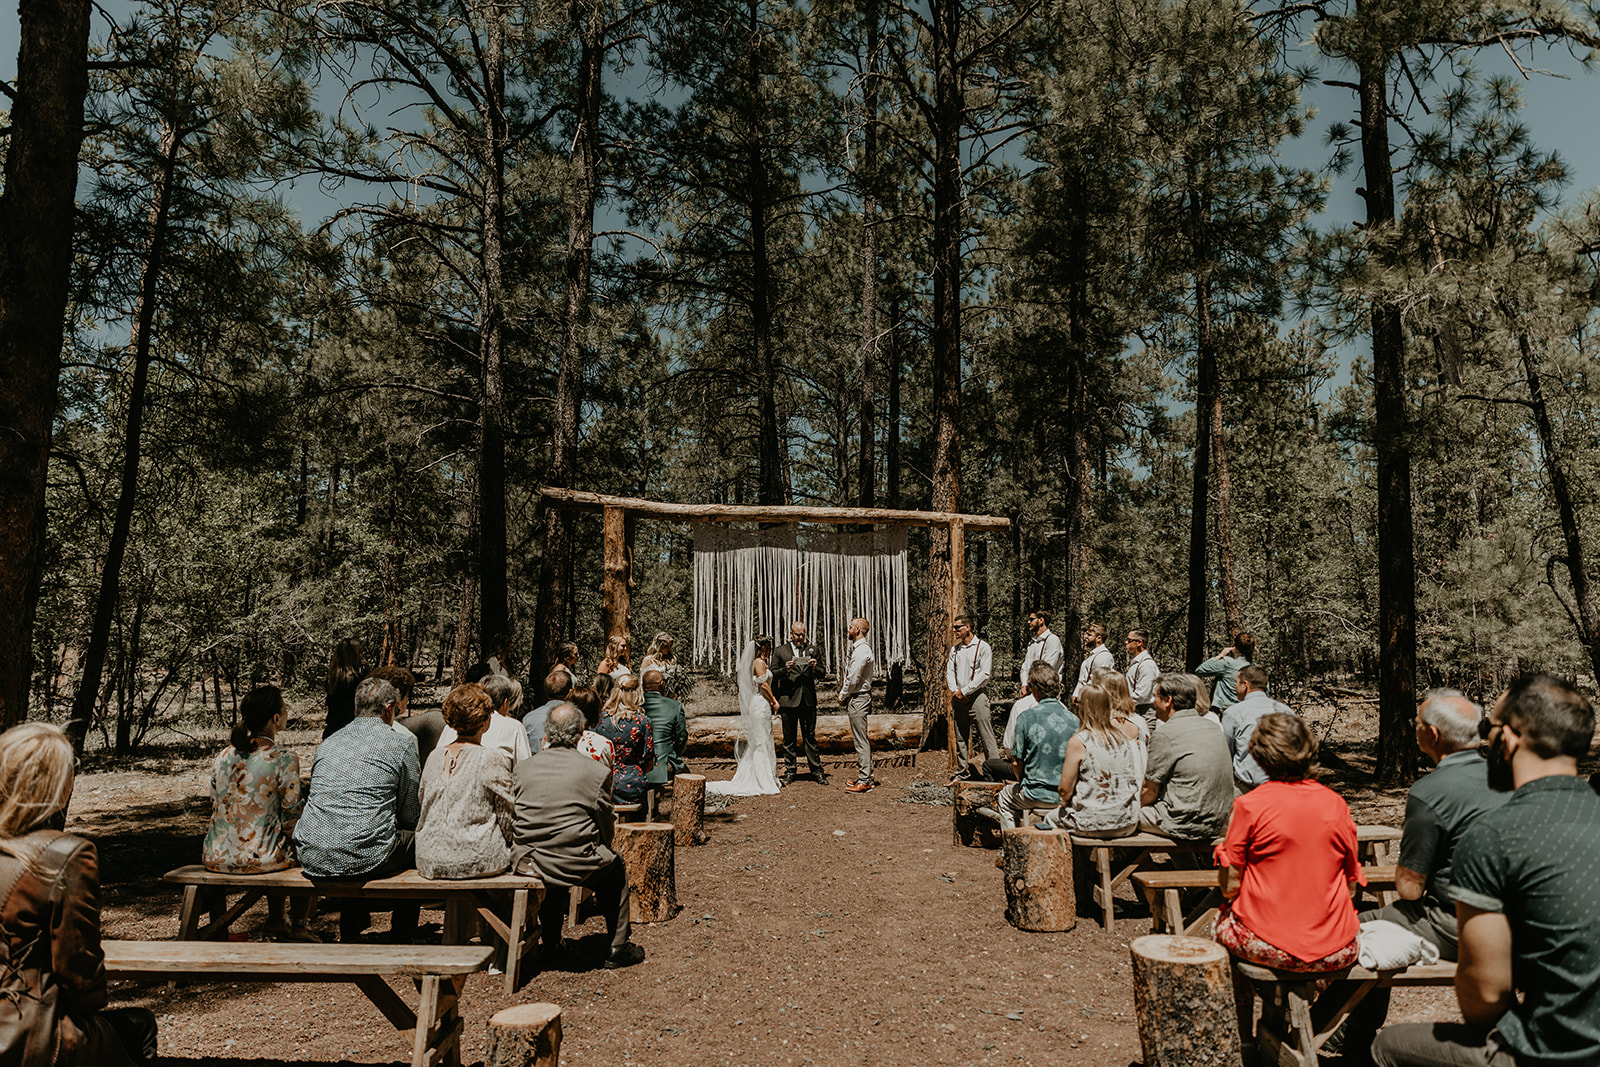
1163 891
1112 871
434 1028
508 904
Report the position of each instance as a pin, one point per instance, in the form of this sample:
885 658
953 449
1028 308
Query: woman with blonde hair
468 793
624 723
615 662
53 985
659 655
1101 776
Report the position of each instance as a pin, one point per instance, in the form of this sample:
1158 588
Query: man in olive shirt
1188 786
1526 882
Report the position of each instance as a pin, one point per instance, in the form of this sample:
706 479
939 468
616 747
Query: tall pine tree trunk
1078 480
948 112
494 619
1207 412
770 488
94 659
1397 604
1226 578
36 228
867 467
891 444
551 613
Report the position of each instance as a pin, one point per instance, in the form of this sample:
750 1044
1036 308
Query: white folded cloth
1386 946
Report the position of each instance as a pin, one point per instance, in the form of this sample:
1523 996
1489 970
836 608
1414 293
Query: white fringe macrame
760 581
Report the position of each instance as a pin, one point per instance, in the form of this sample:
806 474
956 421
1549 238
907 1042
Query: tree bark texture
1183 998
689 809
615 596
758 194
525 1035
1397 600
1078 460
1038 874
948 110
36 228
1226 580
1205 411
647 850
583 191
494 619
139 343
866 469
972 807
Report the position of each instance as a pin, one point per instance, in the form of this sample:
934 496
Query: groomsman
1142 674
1043 646
855 697
966 675
1094 642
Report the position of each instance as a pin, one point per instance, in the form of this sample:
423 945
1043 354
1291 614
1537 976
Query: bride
757 773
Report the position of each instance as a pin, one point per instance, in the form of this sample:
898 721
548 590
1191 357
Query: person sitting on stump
562 830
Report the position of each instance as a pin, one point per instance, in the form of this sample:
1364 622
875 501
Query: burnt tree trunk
770 471
1206 410
94 659
1397 601
494 619
36 228
866 469
1078 480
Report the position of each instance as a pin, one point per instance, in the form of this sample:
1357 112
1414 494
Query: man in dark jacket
795 671
669 729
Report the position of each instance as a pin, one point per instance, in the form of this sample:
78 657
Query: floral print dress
635 754
255 800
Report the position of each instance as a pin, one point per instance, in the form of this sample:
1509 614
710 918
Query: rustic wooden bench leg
1107 887
1302 1035
438 1034
189 915
516 939
1173 906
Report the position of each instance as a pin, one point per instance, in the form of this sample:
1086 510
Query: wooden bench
1112 872
1298 1014
1163 891
434 1028
516 926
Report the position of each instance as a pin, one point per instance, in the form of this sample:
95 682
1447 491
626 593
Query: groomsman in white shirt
855 697
1094 641
1043 646
966 675
1142 674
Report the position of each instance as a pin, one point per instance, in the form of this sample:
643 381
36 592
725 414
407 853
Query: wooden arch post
616 596
956 605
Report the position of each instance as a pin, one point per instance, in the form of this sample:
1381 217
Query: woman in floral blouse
626 726
256 795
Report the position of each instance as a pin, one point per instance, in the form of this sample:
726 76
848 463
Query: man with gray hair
1440 809
505 732
562 828
362 806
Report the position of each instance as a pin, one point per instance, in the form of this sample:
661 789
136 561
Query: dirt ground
817 927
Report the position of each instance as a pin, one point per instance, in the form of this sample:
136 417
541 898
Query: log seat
434 1028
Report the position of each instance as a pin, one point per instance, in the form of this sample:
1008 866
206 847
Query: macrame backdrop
759 581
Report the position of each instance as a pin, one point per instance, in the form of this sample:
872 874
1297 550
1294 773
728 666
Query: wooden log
527 1035
972 828
580 500
614 592
1038 876
689 809
713 736
647 850
1183 998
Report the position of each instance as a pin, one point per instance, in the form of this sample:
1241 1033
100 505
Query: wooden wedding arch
619 514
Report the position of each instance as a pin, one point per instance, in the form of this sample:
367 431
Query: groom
794 683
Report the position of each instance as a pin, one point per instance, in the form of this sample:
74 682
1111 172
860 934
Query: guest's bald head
1455 718
653 680
564 726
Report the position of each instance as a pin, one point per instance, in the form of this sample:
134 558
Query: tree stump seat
974 822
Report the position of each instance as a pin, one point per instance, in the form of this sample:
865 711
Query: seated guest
1239 722
1523 879
404 682
562 831
659 655
588 702
255 799
557 684
1040 748
626 726
1188 778
361 807
1123 707
464 829
346 668
1202 702
1288 862
668 729
54 1012
1222 670
1441 808
1104 768
505 731
615 662
426 726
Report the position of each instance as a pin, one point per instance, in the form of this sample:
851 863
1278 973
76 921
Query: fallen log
715 735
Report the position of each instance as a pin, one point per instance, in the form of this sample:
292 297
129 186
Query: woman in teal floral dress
256 796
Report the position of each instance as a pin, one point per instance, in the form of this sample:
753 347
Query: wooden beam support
577 500
614 592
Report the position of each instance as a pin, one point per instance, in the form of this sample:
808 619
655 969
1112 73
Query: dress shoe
860 787
626 956
822 777
787 779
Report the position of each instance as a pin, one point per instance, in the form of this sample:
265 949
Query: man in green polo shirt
1527 891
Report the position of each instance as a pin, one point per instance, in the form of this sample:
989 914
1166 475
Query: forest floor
817 927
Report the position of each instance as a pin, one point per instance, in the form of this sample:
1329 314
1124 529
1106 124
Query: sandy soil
817 927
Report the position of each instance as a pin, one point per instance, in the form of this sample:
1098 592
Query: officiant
795 672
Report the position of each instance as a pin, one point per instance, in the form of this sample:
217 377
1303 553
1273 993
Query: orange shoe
860 787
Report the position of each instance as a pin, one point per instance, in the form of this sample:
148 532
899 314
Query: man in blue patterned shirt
362 806
1039 749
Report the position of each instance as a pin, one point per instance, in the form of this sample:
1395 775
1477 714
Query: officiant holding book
795 670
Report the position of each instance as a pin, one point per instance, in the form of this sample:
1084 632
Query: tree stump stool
1183 997
1038 875
527 1035
647 850
689 808
976 824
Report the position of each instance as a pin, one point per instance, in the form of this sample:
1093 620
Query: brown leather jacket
51 966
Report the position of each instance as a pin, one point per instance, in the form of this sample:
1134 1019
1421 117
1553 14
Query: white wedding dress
757 772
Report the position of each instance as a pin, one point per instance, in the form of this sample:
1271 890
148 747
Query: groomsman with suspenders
966 675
